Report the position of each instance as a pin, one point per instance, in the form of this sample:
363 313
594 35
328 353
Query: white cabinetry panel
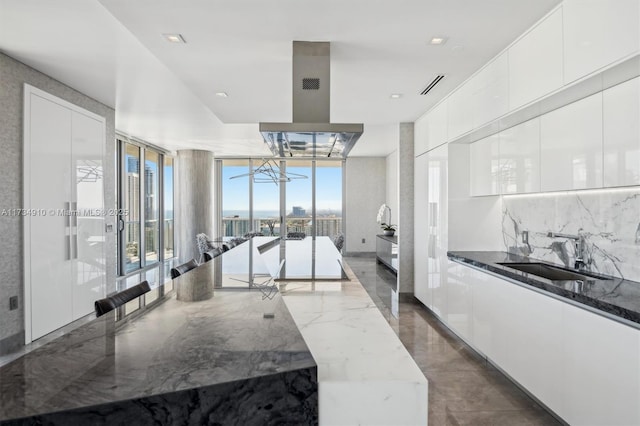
485 166
437 127
460 300
63 247
601 370
535 62
460 111
49 269
597 33
421 229
520 158
420 135
491 94
571 146
621 112
87 228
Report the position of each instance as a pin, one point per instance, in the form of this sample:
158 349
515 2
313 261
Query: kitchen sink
553 273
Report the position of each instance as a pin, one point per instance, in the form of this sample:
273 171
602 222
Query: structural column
195 192
405 220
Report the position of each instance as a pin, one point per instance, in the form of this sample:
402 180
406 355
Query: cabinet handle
67 230
74 230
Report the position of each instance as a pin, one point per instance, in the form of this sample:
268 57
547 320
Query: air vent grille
432 84
310 84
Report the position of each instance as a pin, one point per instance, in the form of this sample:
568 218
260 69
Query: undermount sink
552 273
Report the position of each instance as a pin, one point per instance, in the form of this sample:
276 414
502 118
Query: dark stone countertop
392 238
616 298
211 357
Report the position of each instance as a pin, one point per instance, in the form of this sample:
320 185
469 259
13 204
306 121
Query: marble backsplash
609 220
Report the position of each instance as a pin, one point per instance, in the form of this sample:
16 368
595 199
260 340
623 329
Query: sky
266 195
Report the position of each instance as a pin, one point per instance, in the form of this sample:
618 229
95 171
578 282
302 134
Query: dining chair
108 304
208 255
185 267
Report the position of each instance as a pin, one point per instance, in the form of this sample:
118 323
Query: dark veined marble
212 361
616 298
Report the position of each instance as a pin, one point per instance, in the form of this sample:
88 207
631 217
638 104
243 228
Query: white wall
365 193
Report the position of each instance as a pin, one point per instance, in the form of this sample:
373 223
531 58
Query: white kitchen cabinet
421 229
520 158
437 217
535 62
601 363
491 91
437 125
63 182
47 237
598 33
621 128
583 366
571 146
485 166
460 300
420 135
460 111
535 337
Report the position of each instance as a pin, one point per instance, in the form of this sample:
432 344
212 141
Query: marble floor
464 389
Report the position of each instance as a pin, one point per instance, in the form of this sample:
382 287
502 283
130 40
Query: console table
387 251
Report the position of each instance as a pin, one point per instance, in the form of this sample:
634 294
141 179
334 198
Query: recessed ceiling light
396 95
174 38
222 94
438 40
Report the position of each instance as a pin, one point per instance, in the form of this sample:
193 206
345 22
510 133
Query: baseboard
12 343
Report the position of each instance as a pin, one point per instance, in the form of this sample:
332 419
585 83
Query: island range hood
311 134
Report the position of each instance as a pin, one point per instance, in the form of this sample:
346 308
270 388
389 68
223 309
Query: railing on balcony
237 226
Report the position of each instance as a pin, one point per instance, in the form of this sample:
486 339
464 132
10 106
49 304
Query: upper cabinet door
491 95
520 158
621 114
535 62
420 135
571 146
485 166
437 129
598 33
460 111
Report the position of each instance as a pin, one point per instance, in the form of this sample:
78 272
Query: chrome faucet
579 244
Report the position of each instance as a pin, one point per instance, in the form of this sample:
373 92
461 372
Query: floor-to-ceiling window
168 227
328 198
145 202
299 196
151 207
235 198
130 213
256 196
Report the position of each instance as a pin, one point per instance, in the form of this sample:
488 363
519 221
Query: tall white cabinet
64 255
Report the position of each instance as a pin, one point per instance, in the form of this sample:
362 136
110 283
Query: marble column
194 200
405 210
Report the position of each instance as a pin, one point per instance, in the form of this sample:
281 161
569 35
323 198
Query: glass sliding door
328 198
131 202
151 207
145 203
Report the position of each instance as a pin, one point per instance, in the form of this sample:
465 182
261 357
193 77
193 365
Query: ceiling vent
432 84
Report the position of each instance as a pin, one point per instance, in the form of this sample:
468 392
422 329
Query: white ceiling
113 50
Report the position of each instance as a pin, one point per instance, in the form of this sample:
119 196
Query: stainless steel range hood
310 134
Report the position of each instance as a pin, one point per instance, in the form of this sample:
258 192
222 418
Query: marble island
213 359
